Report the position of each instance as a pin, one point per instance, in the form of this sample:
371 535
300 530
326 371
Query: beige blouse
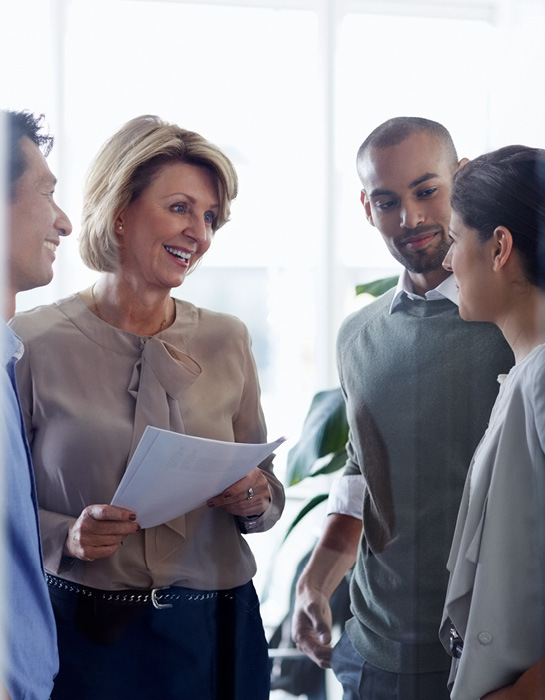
88 391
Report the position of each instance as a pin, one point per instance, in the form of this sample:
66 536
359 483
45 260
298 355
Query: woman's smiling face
169 227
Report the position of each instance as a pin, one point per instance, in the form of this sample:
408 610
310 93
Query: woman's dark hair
505 188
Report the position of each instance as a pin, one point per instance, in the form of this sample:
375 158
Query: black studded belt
161 598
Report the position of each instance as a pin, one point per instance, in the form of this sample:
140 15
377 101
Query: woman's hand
530 686
98 532
249 496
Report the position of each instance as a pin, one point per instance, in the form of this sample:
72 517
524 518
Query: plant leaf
336 461
377 287
314 501
325 431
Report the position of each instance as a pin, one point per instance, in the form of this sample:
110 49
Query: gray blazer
496 591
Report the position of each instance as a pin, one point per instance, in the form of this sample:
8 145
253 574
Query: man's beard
419 261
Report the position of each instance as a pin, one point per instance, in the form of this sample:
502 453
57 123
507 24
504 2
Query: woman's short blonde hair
123 169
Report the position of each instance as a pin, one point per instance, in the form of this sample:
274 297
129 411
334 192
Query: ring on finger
250 493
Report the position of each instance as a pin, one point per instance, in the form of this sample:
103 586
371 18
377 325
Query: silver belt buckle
156 604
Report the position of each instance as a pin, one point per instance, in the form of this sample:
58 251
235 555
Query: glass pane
392 66
246 78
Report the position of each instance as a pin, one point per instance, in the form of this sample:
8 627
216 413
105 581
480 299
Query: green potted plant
320 450
321 447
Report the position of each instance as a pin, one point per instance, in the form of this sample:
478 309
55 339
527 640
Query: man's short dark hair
15 126
396 130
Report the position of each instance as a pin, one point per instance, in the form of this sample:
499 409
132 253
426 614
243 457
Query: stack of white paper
171 474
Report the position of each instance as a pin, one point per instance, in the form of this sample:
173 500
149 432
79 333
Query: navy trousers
208 646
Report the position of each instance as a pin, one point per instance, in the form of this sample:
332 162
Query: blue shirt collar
10 345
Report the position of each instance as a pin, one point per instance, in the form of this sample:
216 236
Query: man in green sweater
419 384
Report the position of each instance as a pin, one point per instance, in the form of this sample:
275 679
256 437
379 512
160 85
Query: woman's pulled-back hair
126 165
505 187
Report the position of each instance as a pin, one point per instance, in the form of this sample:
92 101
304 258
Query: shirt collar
445 290
11 345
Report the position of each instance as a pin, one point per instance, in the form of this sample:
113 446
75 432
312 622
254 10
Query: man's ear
502 246
461 163
367 206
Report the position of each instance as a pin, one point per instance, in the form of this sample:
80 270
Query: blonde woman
167 612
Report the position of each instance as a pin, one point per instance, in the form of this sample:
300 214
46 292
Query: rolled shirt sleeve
346 496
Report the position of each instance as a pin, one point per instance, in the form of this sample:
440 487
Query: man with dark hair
21 124
32 234
419 384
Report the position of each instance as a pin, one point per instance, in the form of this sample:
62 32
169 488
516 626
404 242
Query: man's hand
311 625
332 558
98 532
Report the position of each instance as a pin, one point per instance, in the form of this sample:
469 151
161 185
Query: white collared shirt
346 495
445 290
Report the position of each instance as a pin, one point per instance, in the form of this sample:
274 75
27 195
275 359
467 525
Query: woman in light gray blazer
494 617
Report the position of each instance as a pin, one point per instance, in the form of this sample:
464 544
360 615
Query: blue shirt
31 659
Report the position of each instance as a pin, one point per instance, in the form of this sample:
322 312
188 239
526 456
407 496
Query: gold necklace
163 322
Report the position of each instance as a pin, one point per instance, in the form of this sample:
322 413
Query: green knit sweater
419 386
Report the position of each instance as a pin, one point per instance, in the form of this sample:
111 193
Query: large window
288 89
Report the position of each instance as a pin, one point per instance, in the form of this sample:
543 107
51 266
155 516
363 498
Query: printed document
171 474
